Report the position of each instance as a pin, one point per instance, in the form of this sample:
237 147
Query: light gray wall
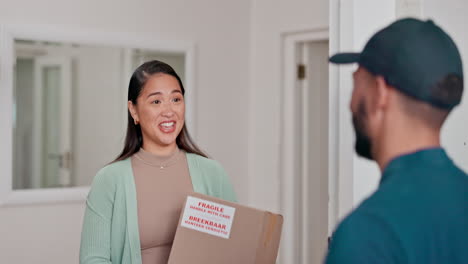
451 16
271 20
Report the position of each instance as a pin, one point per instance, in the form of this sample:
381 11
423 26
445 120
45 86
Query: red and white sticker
208 217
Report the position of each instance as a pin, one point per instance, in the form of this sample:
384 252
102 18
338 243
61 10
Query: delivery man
409 78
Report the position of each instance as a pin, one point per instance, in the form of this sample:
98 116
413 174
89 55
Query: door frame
289 208
66 108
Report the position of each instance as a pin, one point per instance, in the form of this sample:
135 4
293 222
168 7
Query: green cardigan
110 227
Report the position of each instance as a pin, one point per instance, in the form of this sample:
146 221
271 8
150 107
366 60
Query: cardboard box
214 231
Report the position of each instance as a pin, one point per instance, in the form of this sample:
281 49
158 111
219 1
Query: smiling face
160 112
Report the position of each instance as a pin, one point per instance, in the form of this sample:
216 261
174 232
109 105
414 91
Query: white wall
270 20
368 17
451 16
220 29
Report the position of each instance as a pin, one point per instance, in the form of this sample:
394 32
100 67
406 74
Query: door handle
53 156
65 159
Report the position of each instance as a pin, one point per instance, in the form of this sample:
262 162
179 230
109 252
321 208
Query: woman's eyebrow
159 93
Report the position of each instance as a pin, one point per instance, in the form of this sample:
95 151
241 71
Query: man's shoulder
360 231
363 217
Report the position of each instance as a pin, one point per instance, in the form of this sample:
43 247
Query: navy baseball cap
415 57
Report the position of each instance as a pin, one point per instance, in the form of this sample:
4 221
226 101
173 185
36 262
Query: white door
313 150
52 122
305 144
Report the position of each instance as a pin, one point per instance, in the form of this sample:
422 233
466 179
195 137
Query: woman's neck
160 150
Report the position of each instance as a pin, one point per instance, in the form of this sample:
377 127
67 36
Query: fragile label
208 217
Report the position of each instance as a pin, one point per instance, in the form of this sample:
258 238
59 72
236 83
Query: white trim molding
50 33
342 39
46 196
6 113
289 185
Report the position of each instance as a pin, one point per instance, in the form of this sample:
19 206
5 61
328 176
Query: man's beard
363 144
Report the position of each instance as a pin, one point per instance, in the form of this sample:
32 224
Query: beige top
162 184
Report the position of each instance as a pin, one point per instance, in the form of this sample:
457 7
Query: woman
133 207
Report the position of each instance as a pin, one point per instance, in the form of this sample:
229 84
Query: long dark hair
134 138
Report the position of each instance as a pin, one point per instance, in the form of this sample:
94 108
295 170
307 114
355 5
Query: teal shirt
419 214
110 226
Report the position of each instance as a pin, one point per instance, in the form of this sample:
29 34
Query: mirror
69 108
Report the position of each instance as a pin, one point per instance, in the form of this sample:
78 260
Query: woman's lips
167 126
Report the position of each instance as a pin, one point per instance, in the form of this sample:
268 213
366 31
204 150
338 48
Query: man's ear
382 93
133 112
